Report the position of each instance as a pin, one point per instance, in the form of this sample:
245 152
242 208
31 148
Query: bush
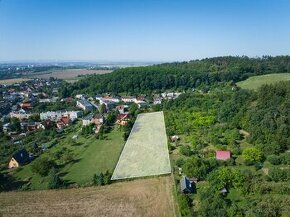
274 159
252 155
54 180
186 150
184 205
102 179
277 174
42 166
180 162
285 158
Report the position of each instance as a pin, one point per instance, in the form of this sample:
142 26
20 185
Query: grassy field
13 81
99 156
91 156
145 152
143 197
255 82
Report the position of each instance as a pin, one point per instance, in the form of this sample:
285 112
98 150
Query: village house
128 99
63 122
31 126
88 120
223 155
84 105
98 119
187 186
19 159
142 104
26 105
109 99
55 115
122 119
80 96
157 100
21 114
140 99
122 109
109 104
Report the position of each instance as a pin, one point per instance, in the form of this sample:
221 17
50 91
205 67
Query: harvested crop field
143 197
13 81
146 151
71 73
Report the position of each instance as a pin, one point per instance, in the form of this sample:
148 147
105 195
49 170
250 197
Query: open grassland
70 74
91 156
255 82
13 81
145 152
142 197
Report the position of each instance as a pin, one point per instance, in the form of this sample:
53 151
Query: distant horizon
126 61
138 31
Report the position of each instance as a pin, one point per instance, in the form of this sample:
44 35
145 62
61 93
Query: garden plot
145 152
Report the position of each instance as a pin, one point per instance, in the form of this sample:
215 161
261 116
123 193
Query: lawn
255 82
91 156
145 152
99 156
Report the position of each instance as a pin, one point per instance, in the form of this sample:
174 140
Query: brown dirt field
142 197
13 81
71 73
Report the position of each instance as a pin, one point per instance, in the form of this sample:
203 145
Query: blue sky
147 30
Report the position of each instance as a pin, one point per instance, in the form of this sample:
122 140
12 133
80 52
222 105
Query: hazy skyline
134 30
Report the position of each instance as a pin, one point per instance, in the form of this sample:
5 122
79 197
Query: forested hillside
180 75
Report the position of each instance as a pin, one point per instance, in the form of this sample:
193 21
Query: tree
196 167
54 180
15 125
274 159
277 174
42 166
226 178
252 155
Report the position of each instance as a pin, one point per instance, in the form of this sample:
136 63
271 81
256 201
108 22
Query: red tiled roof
122 116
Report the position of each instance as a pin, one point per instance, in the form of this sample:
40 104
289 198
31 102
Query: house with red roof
122 119
223 155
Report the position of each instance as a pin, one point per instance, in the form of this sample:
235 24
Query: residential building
186 186
19 159
84 105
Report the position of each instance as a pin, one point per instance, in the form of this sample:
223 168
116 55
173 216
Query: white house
128 99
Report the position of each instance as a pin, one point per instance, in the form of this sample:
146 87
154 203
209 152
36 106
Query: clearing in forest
145 152
255 82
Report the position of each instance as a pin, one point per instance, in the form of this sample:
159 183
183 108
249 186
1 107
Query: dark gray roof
21 157
185 185
85 103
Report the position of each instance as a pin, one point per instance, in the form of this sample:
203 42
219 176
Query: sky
142 30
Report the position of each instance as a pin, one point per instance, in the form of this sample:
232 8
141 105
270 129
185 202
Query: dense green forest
179 75
255 127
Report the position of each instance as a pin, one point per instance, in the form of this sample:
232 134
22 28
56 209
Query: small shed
19 159
223 155
186 186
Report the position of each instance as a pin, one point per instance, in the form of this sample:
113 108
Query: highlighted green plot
145 152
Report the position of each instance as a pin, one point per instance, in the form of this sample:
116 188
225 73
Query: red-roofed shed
223 155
